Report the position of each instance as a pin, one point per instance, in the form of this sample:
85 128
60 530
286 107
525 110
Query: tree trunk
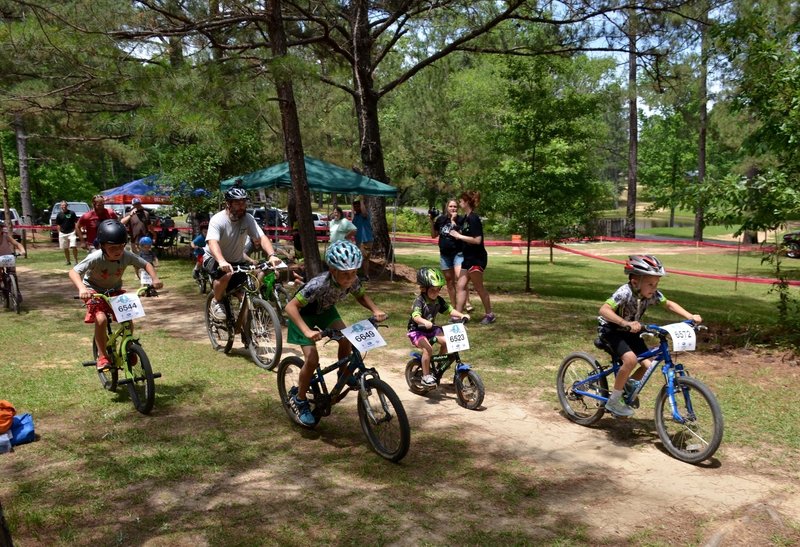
703 122
293 144
366 105
4 186
633 129
24 177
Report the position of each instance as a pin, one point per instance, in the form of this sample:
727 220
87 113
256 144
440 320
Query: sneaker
619 408
302 409
103 363
67 263
428 380
630 386
217 311
488 319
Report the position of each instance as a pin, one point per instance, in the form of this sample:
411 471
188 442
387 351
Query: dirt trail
628 483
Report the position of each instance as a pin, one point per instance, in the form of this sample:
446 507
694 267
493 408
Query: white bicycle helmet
644 265
344 255
235 192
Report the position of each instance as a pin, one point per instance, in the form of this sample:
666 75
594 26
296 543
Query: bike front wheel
383 420
142 386
108 377
14 296
699 436
265 344
218 333
469 389
288 381
573 373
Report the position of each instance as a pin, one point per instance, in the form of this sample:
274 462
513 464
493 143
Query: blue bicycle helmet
344 255
146 240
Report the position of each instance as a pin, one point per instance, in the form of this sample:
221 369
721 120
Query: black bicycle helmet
430 277
236 192
111 231
644 265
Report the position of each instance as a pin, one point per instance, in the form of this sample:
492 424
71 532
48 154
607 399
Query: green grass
218 460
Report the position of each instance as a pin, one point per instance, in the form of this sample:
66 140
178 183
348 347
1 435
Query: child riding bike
315 306
101 271
421 329
620 325
197 245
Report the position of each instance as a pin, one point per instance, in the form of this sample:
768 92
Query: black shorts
471 262
210 265
622 341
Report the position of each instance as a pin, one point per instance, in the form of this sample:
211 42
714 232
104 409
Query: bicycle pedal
89 363
156 375
124 381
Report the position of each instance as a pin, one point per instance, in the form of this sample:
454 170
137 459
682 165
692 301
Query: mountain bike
127 355
9 287
273 291
246 314
688 417
380 412
469 386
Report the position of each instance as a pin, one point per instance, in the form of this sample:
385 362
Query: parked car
78 207
270 217
15 222
792 243
320 223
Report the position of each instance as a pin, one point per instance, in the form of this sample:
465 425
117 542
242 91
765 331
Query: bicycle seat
599 343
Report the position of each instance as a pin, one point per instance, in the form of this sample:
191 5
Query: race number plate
683 336
126 307
364 336
145 278
455 335
8 261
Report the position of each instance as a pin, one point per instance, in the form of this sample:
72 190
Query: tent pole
394 233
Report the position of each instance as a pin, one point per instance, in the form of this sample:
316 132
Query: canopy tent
145 189
322 177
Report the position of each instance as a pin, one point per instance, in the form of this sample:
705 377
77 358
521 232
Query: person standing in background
66 221
90 220
138 223
340 227
364 235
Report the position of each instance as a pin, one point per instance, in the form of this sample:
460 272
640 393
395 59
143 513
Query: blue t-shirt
199 242
363 229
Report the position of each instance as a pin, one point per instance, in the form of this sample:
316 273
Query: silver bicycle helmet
344 255
644 265
235 192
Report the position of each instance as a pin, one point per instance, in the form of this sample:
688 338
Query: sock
615 396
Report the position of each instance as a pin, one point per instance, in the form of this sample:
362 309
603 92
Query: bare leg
310 362
450 278
477 281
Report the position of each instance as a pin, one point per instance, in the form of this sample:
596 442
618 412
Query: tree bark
366 104
24 173
633 128
292 142
703 123
4 187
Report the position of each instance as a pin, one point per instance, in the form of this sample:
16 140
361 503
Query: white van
15 222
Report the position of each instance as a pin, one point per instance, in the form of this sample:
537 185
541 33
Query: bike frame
249 287
661 357
118 338
440 363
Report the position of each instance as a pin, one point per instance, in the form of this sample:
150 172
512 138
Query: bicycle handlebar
146 290
336 334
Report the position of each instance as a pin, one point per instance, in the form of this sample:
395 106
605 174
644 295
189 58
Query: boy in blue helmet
314 306
146 252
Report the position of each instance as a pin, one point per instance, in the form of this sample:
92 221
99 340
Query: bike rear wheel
142 388
414 378
469 389
14 296
202 283
288 378
383 420
699 437
581 409
281 297
108 377
265 344
217 330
